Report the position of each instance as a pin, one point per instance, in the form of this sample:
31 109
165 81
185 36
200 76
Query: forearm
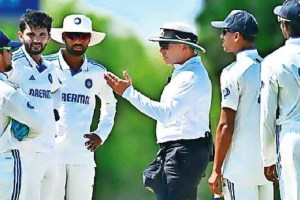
106 122
269 105
223 141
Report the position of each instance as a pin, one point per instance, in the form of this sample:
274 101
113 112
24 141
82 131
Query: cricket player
38 79
14 105
82 79
237 155
280 105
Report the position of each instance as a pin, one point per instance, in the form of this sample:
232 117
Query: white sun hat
178 32
77 23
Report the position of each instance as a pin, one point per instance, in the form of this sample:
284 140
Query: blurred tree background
131 145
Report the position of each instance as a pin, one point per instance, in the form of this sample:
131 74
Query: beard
33 49
8 68
75 50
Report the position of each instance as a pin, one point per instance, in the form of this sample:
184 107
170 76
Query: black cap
5 42
178 32
239 21
289 10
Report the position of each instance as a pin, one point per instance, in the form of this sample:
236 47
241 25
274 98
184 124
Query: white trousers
39 176
10 175
75 182
247 192
288 166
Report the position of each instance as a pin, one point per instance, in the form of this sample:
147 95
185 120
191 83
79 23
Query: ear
284 26
237 36
184 46
49 37
63 37
20 36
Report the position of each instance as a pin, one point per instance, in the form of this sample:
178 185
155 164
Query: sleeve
18 107
56 82
269 92
230 91
107 111
55 89
173 105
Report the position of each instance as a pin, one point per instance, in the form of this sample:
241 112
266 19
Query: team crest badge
88 83
77 21
226 92
50 78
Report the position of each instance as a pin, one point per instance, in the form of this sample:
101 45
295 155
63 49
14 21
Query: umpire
182 113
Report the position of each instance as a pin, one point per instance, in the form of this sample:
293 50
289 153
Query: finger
87 135
106 77
214 189
271 178
127 77
113 77
109 78
92 147
111 83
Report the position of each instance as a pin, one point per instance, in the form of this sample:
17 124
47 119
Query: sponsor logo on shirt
75 98
226 92
29 105
32 78
40 93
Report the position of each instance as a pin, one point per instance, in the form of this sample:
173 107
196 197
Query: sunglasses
280 19
225 31
164 45
75 35
8 49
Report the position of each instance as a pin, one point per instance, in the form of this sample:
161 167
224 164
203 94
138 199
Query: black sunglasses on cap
76 35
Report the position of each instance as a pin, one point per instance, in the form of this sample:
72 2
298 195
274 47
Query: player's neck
74 62
37 58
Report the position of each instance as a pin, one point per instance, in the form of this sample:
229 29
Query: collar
65 66
179 67
293 40
32 63
251 52
192 60
3 76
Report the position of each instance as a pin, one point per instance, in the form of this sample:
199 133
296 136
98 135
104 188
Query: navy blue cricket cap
5 42
239 21
289 10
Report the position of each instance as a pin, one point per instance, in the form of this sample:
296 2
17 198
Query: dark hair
248 38
294 28
36 19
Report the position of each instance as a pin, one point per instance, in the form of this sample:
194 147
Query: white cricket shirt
76 104
183 110
281 89
14 104
39 86
240 85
